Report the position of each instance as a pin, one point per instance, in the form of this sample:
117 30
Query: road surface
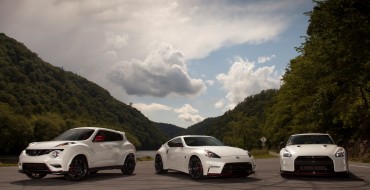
267 177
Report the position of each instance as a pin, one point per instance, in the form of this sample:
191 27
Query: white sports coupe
313 154
77 152
203 156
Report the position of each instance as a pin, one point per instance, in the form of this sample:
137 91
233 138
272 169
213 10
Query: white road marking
359 166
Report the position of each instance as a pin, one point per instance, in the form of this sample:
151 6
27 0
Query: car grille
237 168
314 164
35 167
37 152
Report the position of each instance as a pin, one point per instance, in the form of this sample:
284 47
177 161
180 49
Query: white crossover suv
77 152
203 156
313 154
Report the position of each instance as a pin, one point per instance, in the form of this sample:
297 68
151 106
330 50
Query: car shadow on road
220 179
60 180
351 177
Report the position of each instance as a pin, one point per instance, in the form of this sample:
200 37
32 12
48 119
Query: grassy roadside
260 154
8 161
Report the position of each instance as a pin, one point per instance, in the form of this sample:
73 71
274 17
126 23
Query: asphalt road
267 177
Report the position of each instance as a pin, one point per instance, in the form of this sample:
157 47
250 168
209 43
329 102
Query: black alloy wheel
77 169
158 164
35 175
129 165
195 168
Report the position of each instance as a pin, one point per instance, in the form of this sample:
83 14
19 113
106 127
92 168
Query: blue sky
178 62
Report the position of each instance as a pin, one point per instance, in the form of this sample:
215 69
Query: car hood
226 150
49 144
312 149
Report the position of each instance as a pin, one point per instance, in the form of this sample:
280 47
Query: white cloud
264 59
191 118
117 41
91 28
210 82
189 114
151 107
163 72
220 104
244 79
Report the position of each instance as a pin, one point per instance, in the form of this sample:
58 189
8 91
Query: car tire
77 170
129 165
283 175
94 172
195 168
158 165
35 175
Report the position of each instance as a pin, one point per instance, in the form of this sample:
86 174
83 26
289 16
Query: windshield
310 139
202 141
75 135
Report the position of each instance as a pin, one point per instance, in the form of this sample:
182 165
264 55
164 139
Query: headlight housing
286 153
211 154
55 153
340 152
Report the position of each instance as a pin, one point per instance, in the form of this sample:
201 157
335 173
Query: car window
175 143
107 136
75 135
202 141
310 139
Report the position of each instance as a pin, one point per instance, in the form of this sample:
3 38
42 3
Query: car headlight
340 152
286 153
56 153
211 154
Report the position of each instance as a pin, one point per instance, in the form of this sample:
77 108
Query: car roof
310 134
95 128
182 136
194 136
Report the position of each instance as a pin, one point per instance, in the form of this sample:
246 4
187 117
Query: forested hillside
242 126
170 130
325 89
39 101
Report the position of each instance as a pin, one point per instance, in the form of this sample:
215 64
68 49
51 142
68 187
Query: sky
177 61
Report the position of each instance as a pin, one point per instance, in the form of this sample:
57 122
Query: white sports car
77 152
313 154
203 156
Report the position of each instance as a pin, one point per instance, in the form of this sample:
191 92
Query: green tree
326 88
16 131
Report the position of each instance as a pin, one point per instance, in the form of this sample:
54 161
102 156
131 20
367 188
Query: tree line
39 101
324 89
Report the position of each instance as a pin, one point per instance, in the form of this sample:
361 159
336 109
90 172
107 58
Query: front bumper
313 165
226 166
41 164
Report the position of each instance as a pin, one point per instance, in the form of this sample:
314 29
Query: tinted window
202 141
75 135
310 139
106 136
175 143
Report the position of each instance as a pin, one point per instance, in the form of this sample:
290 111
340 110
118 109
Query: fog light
56 165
